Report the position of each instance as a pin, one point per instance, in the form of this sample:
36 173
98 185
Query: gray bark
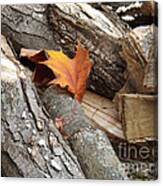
59 26
92 146
31 146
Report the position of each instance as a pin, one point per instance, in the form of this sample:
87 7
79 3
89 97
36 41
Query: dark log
31 146
59 26
135 14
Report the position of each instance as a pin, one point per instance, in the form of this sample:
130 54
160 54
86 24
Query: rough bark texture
59 26
92 146
31 146
140 51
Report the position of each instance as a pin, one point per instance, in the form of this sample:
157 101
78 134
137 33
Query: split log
31 146
103 114
59 26
147 36
138 156
138 113
140 50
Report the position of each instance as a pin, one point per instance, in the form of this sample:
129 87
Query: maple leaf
65 72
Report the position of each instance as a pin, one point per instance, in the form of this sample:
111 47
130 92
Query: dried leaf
65 72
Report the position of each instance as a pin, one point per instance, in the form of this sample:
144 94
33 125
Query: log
92 146
59 26
138 156
136 13
31 146
101 111
147 36
140 53
138 113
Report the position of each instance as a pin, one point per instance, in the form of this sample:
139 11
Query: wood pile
118 111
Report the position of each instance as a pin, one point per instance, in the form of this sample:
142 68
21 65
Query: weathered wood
147 37
140 51
92 146
31 146
136 64
138 113
103 114
59 26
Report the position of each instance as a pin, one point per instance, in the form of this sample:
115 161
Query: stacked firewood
118 112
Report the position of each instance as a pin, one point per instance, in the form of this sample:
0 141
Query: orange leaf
71 73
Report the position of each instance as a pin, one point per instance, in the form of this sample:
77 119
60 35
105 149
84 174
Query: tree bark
59 26
92 146
31 145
